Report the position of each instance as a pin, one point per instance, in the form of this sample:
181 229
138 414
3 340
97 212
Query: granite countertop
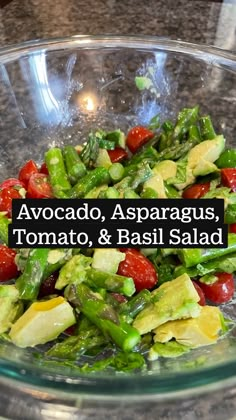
202 22
195 21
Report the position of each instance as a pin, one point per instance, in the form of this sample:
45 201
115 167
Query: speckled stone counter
195 21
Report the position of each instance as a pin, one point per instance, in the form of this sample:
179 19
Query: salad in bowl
122 308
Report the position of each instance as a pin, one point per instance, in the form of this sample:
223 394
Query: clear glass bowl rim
208 53
138 386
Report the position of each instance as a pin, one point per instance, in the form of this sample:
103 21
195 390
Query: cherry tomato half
228 178
12 182
8 268
232 228
43 169
196 190
202 300
6 197
117 155
39 187
139 268
138 136
221 291
27 170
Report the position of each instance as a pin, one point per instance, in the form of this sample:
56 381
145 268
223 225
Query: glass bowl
54 92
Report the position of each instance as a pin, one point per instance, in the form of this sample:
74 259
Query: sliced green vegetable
57 172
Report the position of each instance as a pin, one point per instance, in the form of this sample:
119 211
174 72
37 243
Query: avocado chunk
42 322
56 255
196 332
201 158
208 150
204 168
166 168
11 306
175 299
107 260
103 159
157 184
74 271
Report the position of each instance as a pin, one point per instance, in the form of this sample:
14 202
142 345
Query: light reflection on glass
5 81
157 76
87 101
45 104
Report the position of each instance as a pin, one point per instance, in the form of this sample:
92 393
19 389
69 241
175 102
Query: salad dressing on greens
122 307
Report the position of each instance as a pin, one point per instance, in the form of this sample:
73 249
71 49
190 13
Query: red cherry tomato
138 136
43 169
27 170
232 228
39 187
196 190
12 182
8 268
6 196
228 178
221 291
117 155
202 300
48 286
139 268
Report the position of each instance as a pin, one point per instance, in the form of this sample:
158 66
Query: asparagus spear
148 155
186 118
116 171
194 134
96 177
191 257
121 362
57 172
111 282
138 175
74 166
135 304
73 347
4 222
165 137
110 192
207 129
170 147
90 151
176 151
103 316
224 264
130 194
29 282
